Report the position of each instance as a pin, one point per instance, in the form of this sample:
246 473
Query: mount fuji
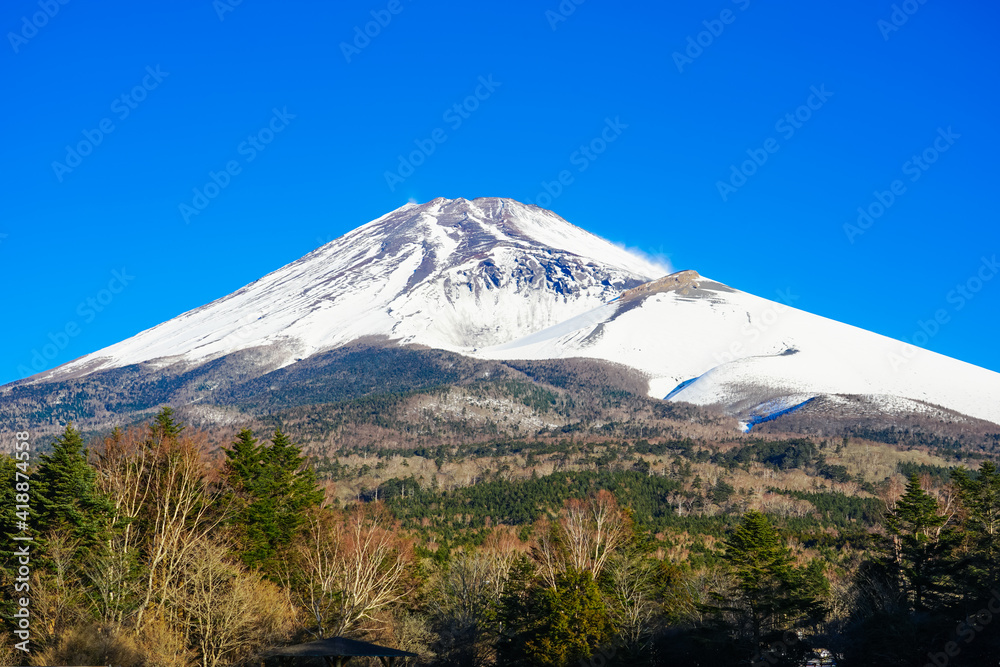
495 279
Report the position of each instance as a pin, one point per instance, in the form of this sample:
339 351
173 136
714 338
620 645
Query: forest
153 545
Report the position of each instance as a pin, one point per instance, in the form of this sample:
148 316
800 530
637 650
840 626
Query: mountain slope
449 274
705 343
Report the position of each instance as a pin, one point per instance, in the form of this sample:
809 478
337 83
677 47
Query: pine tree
244 462
8 529
66 496
272 487
292 483
774 594
980 497
568 622
921 544
8 503
164 426
905 604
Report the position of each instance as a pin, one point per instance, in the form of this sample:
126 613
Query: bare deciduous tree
227 612
123 466
465 597
351 567
586 534
631 599
182 511
114 587
55 590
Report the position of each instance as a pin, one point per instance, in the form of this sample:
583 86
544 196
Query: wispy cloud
659 257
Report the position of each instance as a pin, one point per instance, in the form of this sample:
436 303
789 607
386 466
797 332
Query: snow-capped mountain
496 279
450 274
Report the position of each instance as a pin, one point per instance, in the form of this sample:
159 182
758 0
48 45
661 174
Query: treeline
149 551
521 503
944 445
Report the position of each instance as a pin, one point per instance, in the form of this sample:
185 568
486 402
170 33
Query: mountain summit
450 274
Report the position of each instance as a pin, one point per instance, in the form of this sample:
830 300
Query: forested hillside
166 544
371 395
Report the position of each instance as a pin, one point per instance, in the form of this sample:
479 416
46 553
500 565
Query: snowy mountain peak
455 274
468 227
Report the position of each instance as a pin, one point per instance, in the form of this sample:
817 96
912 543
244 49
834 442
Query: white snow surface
746 351
497 279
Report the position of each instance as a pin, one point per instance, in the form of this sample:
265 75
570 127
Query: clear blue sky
199 79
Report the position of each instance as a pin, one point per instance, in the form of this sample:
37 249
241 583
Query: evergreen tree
774 594
244 462
65 494
570 621
164 426
920 545
514 622
8 503
8 529
903 610
980 497
272 488
292 483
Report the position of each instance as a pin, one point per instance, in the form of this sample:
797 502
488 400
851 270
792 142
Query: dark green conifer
165 426
65 494
272 488
775 595
921 544
980 497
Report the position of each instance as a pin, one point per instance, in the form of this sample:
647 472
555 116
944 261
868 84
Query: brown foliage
229 614
351 566
91 644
